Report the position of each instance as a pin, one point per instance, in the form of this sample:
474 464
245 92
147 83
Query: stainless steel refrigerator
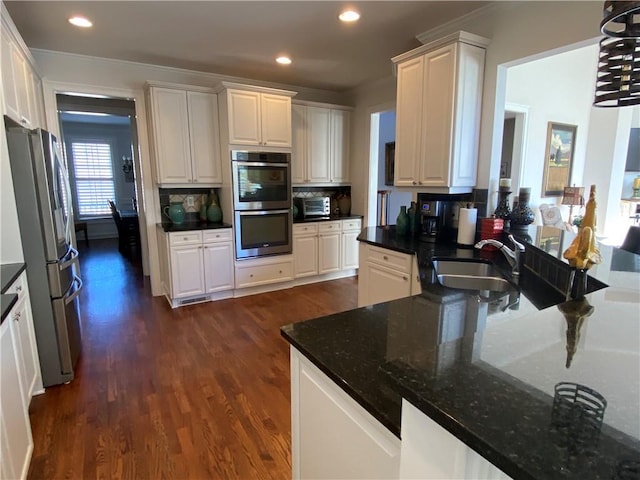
43 199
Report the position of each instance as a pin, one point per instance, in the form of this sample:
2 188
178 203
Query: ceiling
241 38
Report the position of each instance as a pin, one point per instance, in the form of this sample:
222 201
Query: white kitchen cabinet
18 79
386 275
320 144
185 135
25 340
305 249
332 436
16 442
349 248
329 240
196 265
257 116
439 93
264 271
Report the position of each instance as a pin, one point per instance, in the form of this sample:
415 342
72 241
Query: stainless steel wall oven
262 203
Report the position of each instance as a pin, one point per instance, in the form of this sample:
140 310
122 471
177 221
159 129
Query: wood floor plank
197 392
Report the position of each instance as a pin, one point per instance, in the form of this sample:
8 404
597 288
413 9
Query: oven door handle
263 212
261 164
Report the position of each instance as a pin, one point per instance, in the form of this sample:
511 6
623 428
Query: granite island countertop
486 370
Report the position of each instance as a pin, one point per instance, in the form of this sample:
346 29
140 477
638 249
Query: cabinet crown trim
178 86
457 37
307 103
254 88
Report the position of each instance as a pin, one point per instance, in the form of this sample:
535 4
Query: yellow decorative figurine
583 252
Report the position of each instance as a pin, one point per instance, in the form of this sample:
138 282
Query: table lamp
572 196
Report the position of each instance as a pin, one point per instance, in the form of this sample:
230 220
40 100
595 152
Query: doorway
100 144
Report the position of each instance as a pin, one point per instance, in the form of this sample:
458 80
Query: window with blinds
93 173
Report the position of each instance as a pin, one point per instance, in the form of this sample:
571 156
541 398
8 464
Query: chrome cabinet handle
405 278
17 316
413 182
384 257
19 288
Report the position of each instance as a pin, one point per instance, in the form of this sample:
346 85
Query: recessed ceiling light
282 60
79 21
349 16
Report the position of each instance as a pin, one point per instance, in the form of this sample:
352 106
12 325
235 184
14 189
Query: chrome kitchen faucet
512 256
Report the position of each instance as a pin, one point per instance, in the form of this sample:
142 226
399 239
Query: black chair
632 240
128 232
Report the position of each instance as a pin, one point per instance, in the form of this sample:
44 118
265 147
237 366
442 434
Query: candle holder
503 211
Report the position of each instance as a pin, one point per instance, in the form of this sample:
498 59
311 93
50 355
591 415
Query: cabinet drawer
19 286
217 235
396 260
185 238
254 275
348 225
305 229
330 227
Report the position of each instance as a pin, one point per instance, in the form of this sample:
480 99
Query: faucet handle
516 243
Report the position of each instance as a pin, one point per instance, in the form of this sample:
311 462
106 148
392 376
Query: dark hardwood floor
197 392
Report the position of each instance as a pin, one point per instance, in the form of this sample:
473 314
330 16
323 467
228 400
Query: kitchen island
477 386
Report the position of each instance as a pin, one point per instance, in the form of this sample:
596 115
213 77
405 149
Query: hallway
197 392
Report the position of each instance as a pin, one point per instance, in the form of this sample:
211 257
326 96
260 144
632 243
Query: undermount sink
469 274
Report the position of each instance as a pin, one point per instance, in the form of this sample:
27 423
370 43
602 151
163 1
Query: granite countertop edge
393 427
189 226
9 273
7 301
332 218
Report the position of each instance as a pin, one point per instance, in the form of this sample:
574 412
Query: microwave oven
316 207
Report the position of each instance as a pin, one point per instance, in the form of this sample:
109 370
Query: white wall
544 86
397 197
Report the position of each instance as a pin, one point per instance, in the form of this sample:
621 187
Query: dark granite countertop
485 368
326 219
9 273
186 226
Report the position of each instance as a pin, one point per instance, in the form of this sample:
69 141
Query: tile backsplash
192 213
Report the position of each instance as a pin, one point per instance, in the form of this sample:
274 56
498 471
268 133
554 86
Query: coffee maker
430 219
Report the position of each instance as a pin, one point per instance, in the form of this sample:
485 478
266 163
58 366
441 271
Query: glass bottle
402 222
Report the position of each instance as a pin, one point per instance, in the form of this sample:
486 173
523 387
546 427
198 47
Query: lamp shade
621 19
573 196
618 77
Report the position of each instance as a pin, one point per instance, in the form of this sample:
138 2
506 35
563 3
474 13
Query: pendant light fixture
618 77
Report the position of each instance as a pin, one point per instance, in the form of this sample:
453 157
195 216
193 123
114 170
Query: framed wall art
389 162
558 161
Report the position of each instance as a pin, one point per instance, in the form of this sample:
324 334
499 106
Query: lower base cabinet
196 265
332 436
16 441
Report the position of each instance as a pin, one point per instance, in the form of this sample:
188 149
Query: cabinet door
276 120
204 136
299 144
22 330
244 117
437 139
171 132
22 79
318 149
349 250
8 85
409 121
17 442
384 284
187 275
305 256
340 126
218 267
329 255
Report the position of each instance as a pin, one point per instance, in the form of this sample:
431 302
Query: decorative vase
214 212
412 212
175 212
344 203
522 215
402 222
503 211
295 211
203 212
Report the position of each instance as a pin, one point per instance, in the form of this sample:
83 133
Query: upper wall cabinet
438 114
320 153
185 135
257 116
20 83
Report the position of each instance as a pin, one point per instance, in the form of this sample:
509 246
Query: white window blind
93 172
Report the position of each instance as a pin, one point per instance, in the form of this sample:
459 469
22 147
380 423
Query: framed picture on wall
389 162
558 160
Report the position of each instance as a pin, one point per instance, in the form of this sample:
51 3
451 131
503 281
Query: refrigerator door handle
78 283
67 187
73 257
